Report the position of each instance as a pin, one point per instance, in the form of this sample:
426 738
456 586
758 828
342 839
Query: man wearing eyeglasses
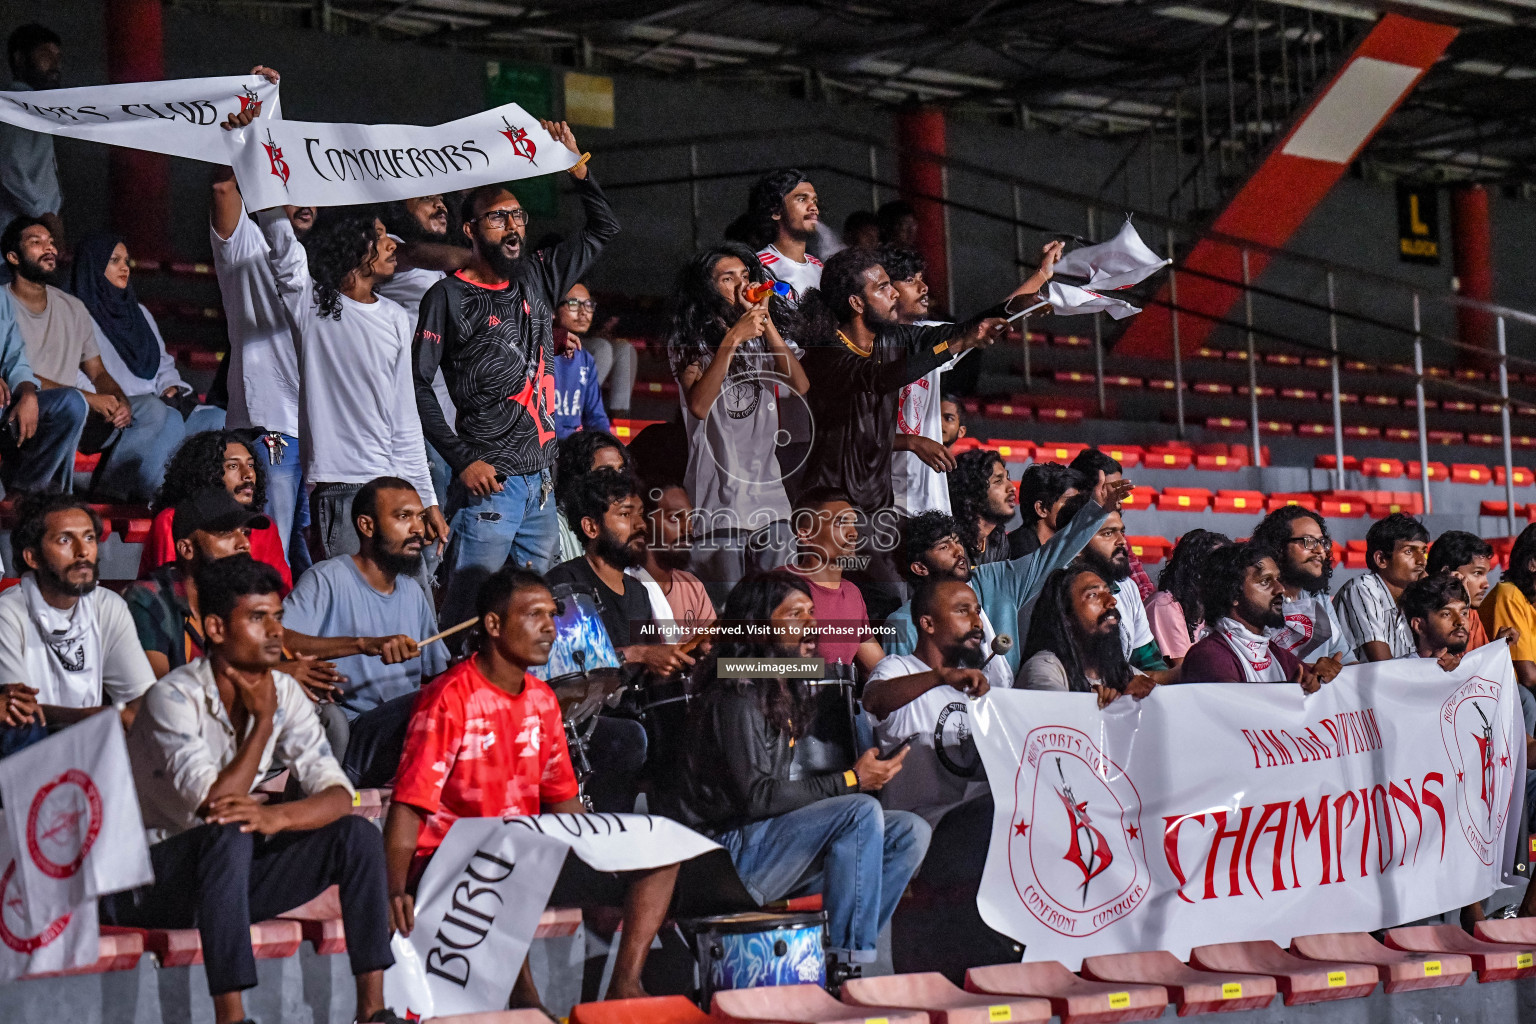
489 327
1312 629
578 384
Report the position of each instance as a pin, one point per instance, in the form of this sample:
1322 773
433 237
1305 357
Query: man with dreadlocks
1074 638
357 399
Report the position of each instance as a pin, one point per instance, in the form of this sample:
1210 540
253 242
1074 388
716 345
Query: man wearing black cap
209 525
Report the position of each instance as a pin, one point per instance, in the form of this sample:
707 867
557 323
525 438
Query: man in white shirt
1396 551
263 374
357 398
1312 630
782 206
222 860
67 647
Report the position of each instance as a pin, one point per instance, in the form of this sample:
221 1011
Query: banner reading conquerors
310 163
179 118
1228 812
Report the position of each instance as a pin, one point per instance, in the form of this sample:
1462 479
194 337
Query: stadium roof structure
1213 75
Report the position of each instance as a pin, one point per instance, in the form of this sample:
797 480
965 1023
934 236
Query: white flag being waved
1121 262
311 163
178 118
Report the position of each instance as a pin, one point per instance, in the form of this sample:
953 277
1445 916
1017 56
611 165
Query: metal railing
1176 233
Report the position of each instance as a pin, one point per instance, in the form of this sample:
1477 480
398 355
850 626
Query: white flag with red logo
71 807
1070 300
67 940
178 118
312 163
1232 812
1121 262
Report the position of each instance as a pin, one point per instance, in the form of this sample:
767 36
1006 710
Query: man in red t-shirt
486 741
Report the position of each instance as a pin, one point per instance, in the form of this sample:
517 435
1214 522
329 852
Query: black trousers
219 880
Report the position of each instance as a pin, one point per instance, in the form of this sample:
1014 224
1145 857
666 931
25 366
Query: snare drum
756 949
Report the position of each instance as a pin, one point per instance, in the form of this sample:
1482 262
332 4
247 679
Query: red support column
922 144
1472 253
141 190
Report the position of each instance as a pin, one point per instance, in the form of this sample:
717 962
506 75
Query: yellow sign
589 99
1524 960
1431 968
1232 990
999 1013
1418 224
1119 1000
1337 979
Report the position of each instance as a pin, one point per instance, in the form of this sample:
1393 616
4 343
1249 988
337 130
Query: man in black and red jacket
490 329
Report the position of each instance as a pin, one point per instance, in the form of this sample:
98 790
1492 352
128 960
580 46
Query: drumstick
450 631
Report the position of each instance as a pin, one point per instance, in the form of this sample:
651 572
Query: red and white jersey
802 277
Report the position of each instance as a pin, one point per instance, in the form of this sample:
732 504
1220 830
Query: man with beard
983 498
921 460
1312 629
859 356
1108 554
1074 642
1006 590
783 209
1437 612
679 602
1242 601
605 510
1469 558
67 646
205 527
489 328
1396 549
357 611
1044 488
29 173
61 346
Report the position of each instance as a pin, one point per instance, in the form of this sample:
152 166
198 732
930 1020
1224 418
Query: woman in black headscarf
135 353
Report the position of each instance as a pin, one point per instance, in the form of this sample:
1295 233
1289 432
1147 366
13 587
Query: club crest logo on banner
1075 854
15 931
1225 812
63 823
275 158
522 145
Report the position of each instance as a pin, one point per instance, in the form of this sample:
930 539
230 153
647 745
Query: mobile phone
898 748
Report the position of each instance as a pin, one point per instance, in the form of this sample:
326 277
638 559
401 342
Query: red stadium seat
1493 961
1300 981
1437 470
656 1010
1075 1000
1499 509
1470 473
1128 455
1342 504
1300 394
1281 359
1149 550
1194 991
1212 388
626 430
1163 457
1315 429
1399 971
1523 477
1160 384
1384 468
119 950
1219 463
1516 931
1361 430
800 1004
1391 401
1184 499
1276 427
1225 423
1265 391
1123 382
1012 451
1057 414
1446 437
1140 499
1240 502
1073 377
1332 462
663 388
944 1002
1062 452
1458 405
1405 434
320 922
1008 411
1485 440
183 947
1305 500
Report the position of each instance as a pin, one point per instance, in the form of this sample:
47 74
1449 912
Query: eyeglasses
577 305
499 218
1311 543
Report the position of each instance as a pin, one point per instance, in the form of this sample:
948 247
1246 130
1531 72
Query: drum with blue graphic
756 949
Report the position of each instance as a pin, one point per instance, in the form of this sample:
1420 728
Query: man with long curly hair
983 499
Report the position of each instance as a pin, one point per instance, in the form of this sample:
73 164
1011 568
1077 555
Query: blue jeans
287 506
857 856
14 738
205 417
47 461
515 523
133 465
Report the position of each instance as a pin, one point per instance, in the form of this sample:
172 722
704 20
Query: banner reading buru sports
179 118
1230 812
311 163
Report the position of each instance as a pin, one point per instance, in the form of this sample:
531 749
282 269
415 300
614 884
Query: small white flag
1070 300
1121 262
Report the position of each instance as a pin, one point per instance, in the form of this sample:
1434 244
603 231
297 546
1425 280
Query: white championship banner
179 118
312 163
480 899
1229 812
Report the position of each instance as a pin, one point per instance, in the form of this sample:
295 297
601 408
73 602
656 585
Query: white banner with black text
178 118
480 899
1230 812
312 163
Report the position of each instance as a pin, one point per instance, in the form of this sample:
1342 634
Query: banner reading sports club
179 118
1231 812
311 163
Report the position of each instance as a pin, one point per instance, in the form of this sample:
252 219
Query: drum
831 745
663 710
581 642
756 949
